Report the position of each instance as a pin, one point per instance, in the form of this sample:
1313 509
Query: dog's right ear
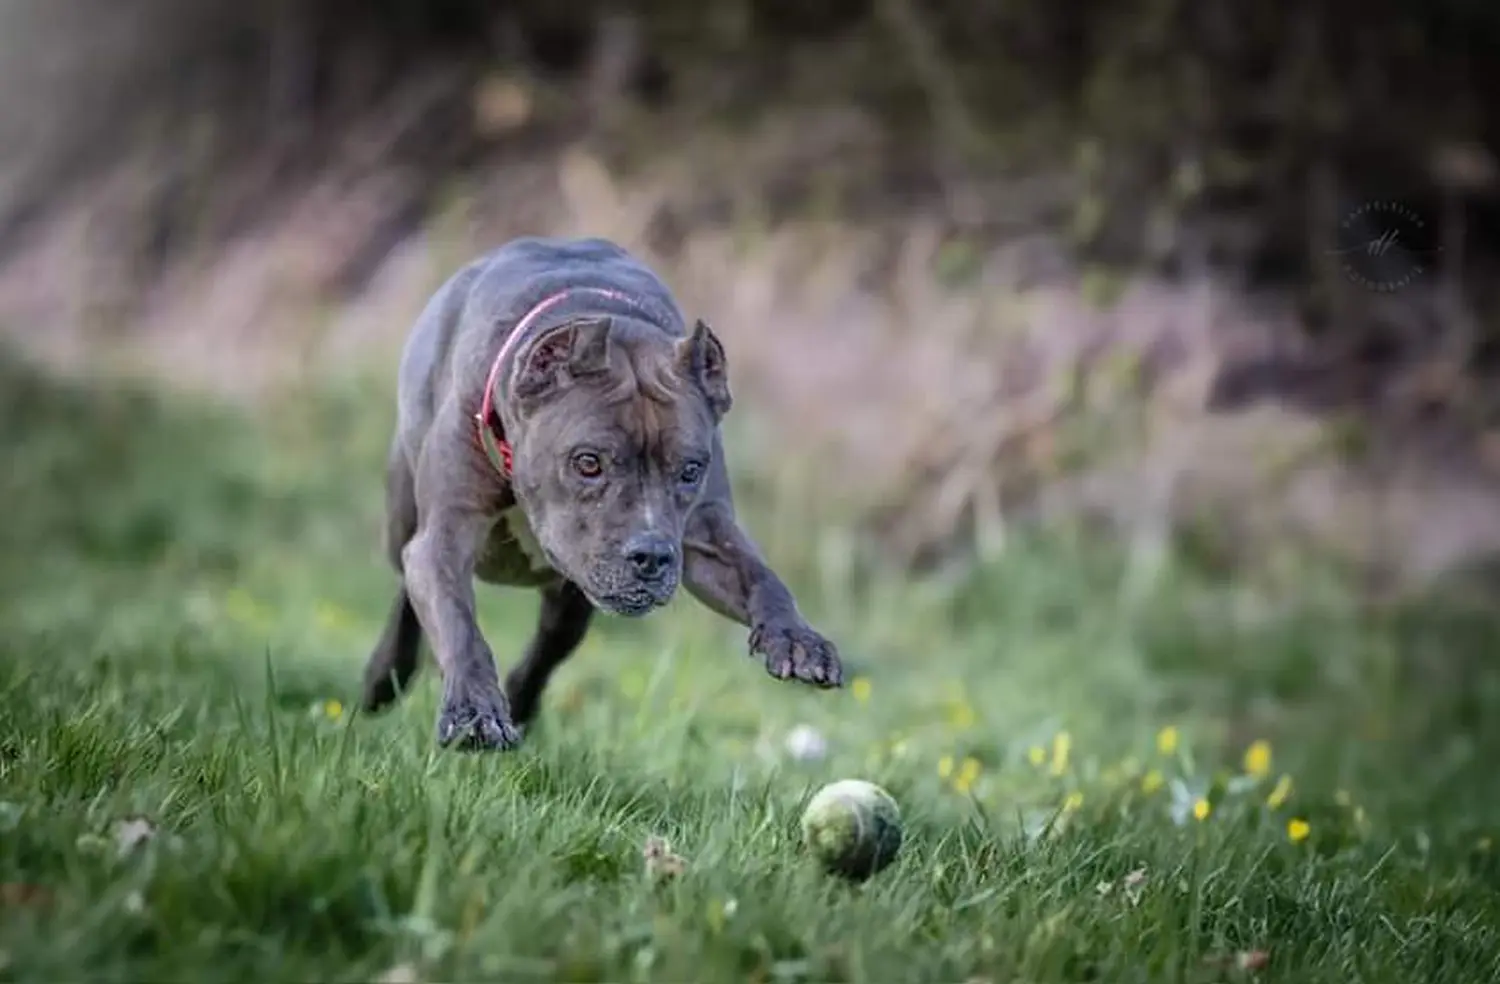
574 348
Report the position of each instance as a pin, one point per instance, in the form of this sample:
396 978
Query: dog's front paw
796 652
476 719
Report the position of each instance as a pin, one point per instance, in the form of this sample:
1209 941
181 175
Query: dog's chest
512 554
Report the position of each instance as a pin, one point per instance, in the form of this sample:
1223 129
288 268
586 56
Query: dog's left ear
700 357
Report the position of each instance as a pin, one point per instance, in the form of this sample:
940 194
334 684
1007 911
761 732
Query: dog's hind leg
561 625
397 655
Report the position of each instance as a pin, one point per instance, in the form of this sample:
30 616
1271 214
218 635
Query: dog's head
613 426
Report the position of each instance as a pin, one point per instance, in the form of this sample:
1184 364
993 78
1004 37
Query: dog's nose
651 554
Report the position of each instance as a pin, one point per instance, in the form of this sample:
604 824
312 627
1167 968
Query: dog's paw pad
797 652
476 724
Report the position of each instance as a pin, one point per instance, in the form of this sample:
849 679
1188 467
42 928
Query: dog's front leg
723 568
438 566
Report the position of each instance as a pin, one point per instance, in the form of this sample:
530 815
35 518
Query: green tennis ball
853 827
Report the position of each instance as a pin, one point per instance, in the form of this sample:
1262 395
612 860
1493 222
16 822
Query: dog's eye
588 465
691 472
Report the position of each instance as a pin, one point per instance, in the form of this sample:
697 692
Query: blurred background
1213 275
1102 368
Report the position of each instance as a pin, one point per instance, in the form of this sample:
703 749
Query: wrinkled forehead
644 402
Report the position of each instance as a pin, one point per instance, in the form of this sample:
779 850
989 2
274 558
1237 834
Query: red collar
487 424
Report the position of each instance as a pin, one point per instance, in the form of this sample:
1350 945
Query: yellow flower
1151 781
968 772
1258 759
333 709
1073 802
333 617
1036 755
1280 794
1297 830
860 688
242 608
1061 745
1202 809
945 766
961 715
1166 740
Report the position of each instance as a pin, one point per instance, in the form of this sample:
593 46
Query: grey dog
558 428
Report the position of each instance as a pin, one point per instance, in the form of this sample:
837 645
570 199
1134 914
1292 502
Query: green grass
183 590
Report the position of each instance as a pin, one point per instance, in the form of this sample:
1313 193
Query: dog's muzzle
651 569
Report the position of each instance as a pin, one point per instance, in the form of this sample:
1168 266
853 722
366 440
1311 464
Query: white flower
805 744
132 833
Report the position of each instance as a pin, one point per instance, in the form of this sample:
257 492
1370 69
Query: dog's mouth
631 605
636 600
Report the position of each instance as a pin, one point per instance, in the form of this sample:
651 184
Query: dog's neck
487 423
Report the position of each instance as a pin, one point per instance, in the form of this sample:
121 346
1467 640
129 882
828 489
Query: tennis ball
853 827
